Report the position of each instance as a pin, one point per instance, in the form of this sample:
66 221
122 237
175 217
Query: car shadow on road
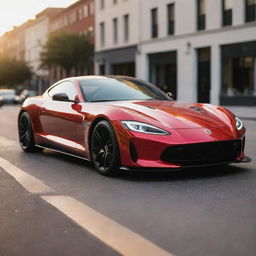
158 175
186 174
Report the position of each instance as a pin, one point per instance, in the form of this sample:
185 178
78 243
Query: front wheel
104 149
26 135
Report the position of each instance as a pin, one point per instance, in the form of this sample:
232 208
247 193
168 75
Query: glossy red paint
67 126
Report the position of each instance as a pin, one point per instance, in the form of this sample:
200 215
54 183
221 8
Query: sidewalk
244 112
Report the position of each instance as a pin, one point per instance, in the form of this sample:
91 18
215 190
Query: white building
117 36
201 50
35 37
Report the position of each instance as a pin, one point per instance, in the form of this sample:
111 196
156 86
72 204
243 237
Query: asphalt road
206 211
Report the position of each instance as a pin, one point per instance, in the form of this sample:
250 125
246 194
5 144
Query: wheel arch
92 126
21 112
32 125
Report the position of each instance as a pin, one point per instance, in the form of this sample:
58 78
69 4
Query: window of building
227 12
163 71
102 4
171 17
154 23
203 74
102 69
238 76
72 17
102 34
86 11
65 21
239 69
201 13
126 28
80 13
115 30
250 9
91 8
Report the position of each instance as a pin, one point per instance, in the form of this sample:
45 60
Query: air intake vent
133 152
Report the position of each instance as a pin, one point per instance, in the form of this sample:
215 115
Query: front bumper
197 148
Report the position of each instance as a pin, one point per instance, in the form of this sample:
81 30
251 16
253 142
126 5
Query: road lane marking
32 184
113 234
118 237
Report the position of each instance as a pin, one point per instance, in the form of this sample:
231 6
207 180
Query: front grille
203 153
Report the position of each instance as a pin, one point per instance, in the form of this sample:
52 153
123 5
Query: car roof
89 77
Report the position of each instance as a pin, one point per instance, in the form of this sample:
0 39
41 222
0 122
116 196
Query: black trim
206 153
133 152
238 100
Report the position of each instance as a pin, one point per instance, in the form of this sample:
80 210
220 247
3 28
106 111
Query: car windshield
119 89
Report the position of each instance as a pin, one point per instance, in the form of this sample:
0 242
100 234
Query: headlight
143 128
239 124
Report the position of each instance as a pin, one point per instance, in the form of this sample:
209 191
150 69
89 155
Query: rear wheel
104 149
26 135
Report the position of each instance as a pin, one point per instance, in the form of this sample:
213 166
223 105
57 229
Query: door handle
42 110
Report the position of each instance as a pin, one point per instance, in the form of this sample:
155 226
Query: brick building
12 43
36 35
76 18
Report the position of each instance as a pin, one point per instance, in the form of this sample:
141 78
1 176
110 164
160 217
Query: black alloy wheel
104 149
26 135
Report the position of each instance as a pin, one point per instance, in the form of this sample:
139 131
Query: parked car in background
1 101
9 96
27 93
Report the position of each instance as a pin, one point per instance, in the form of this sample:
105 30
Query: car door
61 120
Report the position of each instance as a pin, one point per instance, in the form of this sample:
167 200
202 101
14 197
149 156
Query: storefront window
239 76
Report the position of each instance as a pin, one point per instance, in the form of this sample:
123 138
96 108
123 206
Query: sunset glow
15 12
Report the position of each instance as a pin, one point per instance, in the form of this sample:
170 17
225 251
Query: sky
16 12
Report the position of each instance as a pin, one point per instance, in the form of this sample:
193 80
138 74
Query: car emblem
208 131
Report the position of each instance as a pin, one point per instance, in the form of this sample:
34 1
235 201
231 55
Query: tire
104 149
26 134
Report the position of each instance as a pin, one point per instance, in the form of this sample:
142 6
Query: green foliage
67 51
13 72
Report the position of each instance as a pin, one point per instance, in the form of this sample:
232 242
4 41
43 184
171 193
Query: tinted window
65 87
113 89
154 23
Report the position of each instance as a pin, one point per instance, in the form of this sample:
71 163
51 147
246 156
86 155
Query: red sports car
122 122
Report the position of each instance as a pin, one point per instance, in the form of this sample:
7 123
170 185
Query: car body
9 96
76 115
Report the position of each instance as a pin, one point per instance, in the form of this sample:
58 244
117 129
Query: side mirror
60 97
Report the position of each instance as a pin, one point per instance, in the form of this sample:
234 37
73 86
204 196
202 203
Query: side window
65 87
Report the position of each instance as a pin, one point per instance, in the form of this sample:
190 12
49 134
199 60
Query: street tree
66 50
13 72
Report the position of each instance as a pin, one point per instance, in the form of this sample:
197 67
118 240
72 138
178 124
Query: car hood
174 115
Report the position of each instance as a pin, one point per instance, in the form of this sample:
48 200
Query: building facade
117 36
202 50
77 18
26 41
35 37
12 43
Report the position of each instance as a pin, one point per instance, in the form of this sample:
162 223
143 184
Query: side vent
133 152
